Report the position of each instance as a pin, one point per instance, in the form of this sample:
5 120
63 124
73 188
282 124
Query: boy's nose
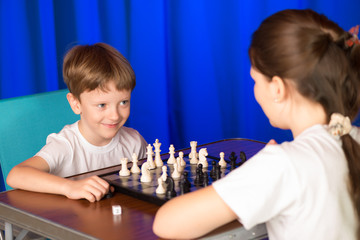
114 115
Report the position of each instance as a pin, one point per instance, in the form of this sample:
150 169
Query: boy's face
102 114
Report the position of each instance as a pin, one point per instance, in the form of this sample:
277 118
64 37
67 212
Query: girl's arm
192 215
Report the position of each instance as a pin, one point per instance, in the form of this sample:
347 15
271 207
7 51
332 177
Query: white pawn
164 173
202 157
134 168
178 163
158 161
222 162
175 174
124 172
149 154
145 173
171 159
182 161
160 189
193 154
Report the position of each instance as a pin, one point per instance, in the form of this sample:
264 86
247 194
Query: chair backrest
26 121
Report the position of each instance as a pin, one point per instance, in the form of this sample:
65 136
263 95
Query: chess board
132 185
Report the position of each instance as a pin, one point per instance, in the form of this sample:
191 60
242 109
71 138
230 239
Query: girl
306 71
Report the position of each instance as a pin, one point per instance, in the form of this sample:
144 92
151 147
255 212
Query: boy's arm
33 175
192 215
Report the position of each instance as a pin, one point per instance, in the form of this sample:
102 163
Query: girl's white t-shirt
299 188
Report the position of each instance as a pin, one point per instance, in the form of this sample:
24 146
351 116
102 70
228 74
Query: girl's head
308 49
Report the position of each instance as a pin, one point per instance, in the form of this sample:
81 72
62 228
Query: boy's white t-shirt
298 188
69 153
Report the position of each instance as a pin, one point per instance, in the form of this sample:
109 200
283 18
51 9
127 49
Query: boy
100 81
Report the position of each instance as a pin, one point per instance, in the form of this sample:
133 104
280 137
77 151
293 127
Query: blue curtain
189 56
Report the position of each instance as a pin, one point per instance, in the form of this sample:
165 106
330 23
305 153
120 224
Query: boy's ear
278 89
74 103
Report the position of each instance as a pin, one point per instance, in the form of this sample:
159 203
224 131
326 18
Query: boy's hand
92 189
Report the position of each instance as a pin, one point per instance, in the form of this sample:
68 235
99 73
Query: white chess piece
145 173
124 172
149 154
175 174
193 154
164 173
160 189
134 168
182 161
171 159
202 157
178 163
158 161
222 162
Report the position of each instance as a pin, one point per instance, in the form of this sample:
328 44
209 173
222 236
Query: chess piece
243 158
213 169
202 157
171 159
182 161
158 161
176 174
170 188
149 154
232 158
124 172
134 168
193 154
206 180
164 173
222 161
179 167
145 173
160 189
186 181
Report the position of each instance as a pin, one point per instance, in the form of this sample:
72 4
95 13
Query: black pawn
213 170
185 184
197 177
206 180
218 172
170 191
186 180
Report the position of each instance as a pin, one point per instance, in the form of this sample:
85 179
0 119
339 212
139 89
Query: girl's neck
305 116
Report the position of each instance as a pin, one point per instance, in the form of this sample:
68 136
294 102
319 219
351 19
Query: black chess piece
186 180
197 177
218 172
185 184
170 188
206 180
213 170
232 156
243 158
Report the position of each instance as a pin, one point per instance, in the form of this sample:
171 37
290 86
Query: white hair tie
339 125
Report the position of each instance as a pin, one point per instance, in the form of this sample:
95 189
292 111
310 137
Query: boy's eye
102 105
124 102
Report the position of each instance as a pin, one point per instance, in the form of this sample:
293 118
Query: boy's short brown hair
87 67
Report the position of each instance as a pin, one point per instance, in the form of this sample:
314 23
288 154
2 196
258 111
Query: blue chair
26 121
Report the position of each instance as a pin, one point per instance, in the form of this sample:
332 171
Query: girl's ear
278 89
74 103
